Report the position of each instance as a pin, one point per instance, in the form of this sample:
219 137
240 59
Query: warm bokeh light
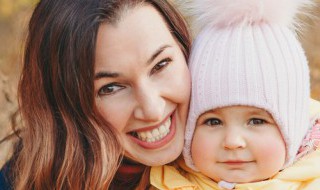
311 43
14 16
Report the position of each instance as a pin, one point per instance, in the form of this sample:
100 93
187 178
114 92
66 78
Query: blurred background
14 16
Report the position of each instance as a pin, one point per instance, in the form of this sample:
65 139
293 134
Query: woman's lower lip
162 142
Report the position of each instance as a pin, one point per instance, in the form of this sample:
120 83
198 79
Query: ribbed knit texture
257 65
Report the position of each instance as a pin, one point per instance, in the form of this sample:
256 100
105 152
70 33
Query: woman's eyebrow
105 74
157 52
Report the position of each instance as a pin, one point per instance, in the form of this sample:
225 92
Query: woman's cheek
115 112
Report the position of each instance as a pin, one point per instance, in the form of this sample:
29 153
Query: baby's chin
239 177
241 180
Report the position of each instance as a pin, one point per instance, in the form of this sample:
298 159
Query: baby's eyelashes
212 122
257 121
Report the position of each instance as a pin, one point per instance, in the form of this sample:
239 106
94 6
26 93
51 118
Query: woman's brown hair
66 144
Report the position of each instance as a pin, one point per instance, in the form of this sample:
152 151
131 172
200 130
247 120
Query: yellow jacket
302 175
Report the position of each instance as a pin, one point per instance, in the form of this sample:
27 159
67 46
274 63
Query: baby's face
238 144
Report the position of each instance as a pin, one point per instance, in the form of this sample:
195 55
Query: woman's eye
109 89
212 122
159 66
255 121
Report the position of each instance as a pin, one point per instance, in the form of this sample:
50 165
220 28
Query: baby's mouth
155 134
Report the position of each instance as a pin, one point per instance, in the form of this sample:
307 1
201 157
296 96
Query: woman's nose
150 104
234 139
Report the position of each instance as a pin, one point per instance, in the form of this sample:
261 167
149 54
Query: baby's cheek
272 151
200 143
195 147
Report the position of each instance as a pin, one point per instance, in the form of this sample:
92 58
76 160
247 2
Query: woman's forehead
136 38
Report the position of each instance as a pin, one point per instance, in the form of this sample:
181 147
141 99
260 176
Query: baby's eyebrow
259 112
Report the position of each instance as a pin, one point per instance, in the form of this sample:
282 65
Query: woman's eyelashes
110 89
113 88
160 65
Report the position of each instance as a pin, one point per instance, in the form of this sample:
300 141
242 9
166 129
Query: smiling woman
134 85
101 79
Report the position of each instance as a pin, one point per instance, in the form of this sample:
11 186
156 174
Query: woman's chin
157 157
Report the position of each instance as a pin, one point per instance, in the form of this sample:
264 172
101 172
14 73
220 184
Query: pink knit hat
247 54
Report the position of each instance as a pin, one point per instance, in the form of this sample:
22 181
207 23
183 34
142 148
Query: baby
250 97
248 125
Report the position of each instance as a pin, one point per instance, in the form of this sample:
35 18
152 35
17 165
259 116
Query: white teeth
142 136
155 134
149 134
162 129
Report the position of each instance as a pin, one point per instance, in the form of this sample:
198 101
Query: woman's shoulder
4 178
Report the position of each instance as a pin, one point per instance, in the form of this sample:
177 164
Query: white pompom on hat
247 54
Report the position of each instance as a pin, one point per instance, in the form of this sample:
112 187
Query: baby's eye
110 89
212 122
159 66
257 121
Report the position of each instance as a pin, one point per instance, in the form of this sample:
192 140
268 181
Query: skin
141 82
238 144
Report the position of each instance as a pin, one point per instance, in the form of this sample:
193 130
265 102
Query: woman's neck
128 175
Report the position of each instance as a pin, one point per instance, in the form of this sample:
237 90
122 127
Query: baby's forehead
239 109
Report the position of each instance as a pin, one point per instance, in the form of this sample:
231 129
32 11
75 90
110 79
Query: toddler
248 114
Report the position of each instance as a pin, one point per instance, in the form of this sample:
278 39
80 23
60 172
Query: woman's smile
136 92
155 136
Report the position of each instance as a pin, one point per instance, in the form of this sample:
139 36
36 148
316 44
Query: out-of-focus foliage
11 7
311 44
14 15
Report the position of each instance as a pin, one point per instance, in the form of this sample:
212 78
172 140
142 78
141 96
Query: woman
99 76
96 71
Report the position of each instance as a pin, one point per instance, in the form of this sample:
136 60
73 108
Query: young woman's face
142 85
238 144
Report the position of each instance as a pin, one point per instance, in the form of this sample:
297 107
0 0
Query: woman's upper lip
148 128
